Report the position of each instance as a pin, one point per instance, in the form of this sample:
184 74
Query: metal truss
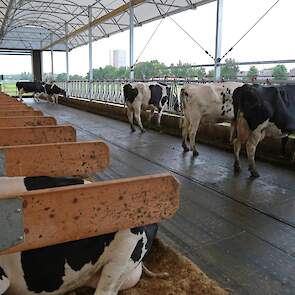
32 24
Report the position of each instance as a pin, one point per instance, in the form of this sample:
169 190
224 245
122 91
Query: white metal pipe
131 41
67 60
218 39
67 53
90 52
52 64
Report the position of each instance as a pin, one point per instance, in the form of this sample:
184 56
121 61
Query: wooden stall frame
26 121
13 136
58 215
56 159
20 113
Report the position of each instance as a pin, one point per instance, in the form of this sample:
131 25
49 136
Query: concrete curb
212 134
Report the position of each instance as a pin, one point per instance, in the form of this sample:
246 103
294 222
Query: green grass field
9 88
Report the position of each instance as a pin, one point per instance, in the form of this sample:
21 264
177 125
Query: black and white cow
108 263
49 90
53 91
255 107
26 87
146 96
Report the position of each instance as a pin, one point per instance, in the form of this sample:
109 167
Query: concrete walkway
240 231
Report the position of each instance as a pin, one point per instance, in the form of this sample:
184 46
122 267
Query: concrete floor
240 231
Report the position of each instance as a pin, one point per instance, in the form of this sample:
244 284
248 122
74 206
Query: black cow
107 263
255 107
146 96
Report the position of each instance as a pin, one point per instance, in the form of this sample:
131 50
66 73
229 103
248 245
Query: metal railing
111 91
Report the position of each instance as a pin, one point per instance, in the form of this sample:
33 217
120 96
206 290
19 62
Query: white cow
107 263
206 102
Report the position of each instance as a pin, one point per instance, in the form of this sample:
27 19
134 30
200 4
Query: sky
271 39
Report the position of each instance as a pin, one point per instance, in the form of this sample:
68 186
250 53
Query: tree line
155 69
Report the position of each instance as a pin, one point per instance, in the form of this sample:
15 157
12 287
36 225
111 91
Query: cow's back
201 98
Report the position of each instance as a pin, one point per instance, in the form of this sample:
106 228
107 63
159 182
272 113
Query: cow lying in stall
211 102
146 96
255 107
49 91
107 263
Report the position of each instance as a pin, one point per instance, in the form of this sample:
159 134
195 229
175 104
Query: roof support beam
90 53
52 63
6 17
218 39
67 55
131 43
107 16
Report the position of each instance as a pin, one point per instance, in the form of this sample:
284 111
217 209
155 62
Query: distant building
292 74
265 73
118 58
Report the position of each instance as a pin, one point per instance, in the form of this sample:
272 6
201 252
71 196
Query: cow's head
168 97
63 93
56 90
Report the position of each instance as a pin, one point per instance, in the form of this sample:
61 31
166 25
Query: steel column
67 57
218 38
90 53
52 66
131 41
37 65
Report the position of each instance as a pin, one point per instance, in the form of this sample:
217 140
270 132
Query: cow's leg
55 97
116 277
161 112
184 127
237 148
137 110
151 114
192 137
251 145
36 97
20 94
120 271
284 142
130 118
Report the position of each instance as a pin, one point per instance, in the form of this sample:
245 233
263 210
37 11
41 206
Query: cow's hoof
195 154
254 173
237 168
132 130
185 149
142 130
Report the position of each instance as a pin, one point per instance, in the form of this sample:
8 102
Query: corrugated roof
31 24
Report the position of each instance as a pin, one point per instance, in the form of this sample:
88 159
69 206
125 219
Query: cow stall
56 215
52 150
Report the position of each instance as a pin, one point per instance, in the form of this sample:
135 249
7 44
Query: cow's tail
149 273
242 128
233 131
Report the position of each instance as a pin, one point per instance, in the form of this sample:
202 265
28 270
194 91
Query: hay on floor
185 277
